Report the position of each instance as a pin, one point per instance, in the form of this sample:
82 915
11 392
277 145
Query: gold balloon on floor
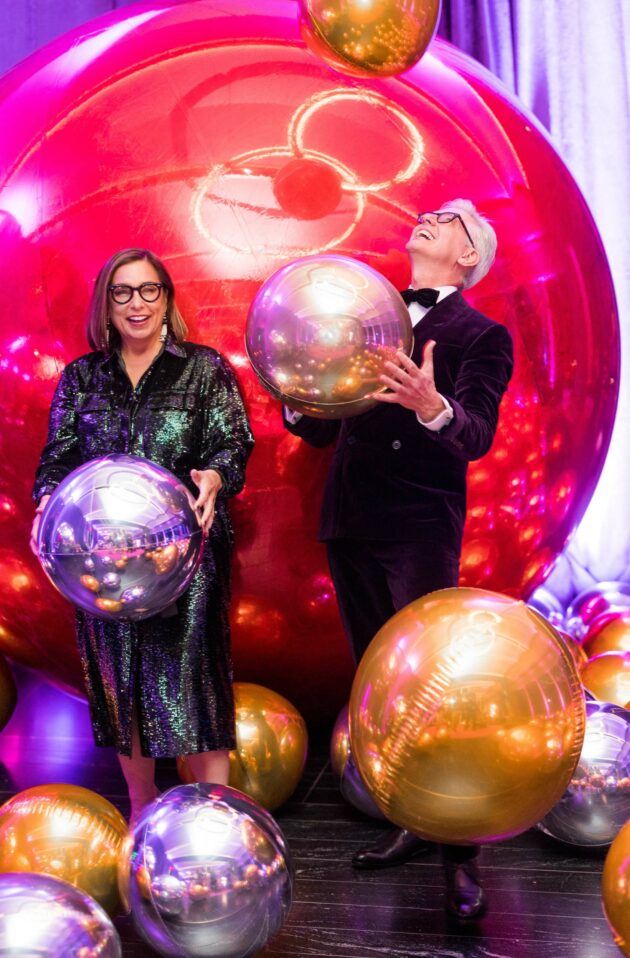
607 677
466 717
68 832
612 635
340 743
616 889
378 38
271 746
8 693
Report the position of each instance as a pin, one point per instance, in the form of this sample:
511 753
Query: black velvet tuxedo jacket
390 477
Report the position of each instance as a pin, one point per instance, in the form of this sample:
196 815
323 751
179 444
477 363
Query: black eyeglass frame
447 216
134 289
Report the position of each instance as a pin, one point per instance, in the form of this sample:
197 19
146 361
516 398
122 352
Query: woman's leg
139 772
210 767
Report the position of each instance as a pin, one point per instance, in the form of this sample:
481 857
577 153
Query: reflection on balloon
207 871
466 717
271 746
597 802
607 676
68 832
351 784
548 605
168 169
616 889
8 693
609 632
588 605
47 917
119 538
382 38
320 331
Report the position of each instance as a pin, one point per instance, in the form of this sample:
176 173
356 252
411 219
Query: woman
162 686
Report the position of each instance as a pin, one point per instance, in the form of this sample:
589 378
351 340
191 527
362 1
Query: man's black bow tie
426 297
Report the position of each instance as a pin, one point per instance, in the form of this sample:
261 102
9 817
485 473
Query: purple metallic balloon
207 872
319 332
47 917
588 605
597 802
119 538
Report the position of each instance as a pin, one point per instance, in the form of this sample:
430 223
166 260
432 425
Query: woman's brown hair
101 334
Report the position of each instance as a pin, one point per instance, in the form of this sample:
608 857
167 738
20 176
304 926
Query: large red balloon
194 128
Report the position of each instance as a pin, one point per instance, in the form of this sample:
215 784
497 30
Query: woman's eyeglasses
121 293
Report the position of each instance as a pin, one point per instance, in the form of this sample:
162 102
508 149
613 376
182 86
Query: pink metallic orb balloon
320 331
378 38
167 125
590 604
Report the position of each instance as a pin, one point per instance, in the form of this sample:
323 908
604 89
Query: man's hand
35 527
412 386
209 483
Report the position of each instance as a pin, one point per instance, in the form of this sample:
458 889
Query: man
395 499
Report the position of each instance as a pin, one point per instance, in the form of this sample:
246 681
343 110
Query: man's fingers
427 354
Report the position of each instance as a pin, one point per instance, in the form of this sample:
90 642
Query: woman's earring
164 332
108 335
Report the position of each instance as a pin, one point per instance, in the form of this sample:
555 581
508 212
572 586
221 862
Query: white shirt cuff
291 416
441 419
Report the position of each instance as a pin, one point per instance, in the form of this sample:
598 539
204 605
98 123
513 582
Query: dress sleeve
227 439
61 453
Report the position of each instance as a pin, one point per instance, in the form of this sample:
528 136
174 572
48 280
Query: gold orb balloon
466 717
378 38
8 693
319 332
608 633
271 746
607 677
616 889
68 832
340 743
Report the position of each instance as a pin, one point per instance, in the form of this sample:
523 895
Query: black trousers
373 580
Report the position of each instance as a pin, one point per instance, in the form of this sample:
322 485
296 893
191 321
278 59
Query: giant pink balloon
209 133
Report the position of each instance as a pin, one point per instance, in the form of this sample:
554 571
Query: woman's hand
35 527
209 483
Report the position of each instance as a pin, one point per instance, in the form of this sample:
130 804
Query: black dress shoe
393 848
465 898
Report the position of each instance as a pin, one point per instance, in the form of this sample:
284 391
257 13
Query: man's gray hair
484 238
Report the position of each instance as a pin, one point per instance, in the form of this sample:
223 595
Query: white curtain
570 64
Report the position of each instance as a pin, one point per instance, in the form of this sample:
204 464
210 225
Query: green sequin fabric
175 669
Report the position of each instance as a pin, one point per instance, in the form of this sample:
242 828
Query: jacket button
352 440
396 444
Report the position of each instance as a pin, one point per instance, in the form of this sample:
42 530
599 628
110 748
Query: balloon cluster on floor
205 871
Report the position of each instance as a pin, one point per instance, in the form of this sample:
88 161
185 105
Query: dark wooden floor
545 898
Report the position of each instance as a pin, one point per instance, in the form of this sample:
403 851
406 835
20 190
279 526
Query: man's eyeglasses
446 216
121 293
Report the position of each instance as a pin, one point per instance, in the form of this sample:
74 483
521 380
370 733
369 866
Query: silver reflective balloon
597 802
118 538
545 602
351 784
47 917
320 330
604 597
207 873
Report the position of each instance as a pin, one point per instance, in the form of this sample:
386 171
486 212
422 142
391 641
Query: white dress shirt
417 313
